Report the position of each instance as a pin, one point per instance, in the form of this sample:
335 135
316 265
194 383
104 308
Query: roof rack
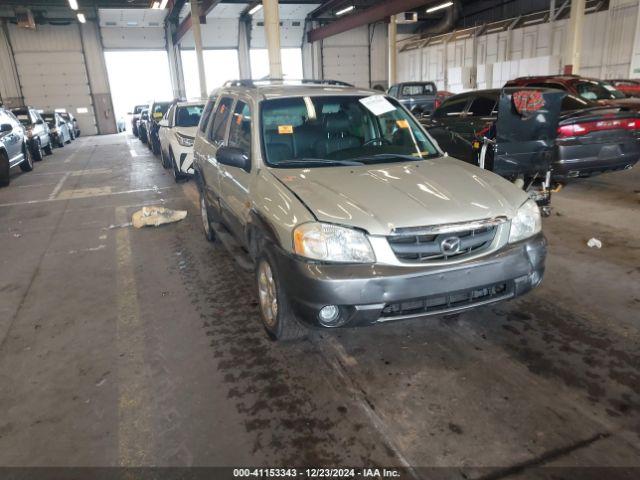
280 81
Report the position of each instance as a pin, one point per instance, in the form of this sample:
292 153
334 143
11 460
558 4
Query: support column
574 38
634 65
176 73
272 31
197 40
10 89
393 52
244 40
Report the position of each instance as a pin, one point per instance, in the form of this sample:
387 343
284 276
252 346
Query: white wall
607 51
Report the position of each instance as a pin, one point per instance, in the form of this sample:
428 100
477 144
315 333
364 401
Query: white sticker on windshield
377 104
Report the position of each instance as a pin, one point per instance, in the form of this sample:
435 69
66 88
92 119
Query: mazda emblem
450 245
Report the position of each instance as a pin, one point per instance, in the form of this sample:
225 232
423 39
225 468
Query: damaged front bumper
369 294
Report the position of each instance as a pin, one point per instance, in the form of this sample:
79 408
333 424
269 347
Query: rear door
235 204
215 138
12 140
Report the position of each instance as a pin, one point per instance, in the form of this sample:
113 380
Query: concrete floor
143 347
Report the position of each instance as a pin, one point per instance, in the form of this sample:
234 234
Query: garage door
346 57
52 71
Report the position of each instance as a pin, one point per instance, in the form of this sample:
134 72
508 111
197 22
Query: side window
169 115
221 120
546 85
482 105
452 107
393 92
240 130
204 120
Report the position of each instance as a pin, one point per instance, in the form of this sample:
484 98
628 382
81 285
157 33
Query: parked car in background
177 132
588 138
157 111
74 130
142 125
14 148
588 89
121 125
418 97
631 88
59 130
37 131
135 118
349 212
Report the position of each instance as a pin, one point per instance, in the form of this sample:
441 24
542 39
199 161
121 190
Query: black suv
14 150
37 131
156 113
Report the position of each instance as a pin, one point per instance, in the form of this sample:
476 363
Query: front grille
429 247
446 302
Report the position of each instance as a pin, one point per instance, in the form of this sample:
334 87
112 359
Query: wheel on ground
177 174
4 170
49 148
72 134
60 141
277 316
143 137
37 153
206 222
27 163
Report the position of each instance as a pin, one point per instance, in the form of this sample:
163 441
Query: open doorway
291 62
137 77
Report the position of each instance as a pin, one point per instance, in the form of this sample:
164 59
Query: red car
586 88
631 88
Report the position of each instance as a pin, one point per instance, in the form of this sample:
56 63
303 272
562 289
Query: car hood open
379 198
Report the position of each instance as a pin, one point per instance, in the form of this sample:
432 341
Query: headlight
331 243
526 223
184 140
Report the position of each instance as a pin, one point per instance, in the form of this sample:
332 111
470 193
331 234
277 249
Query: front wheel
4 170
27 162
177 174
49 148
206 222
277 316
37 152
60 141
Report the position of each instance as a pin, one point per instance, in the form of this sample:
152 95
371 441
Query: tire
27 163
277 317
166 162
4 170
143 136
72 135
60 142
177 174
206 221
69 139
37 153
49 148
155 147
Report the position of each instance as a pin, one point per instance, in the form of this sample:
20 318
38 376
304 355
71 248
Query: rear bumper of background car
369 294
581 160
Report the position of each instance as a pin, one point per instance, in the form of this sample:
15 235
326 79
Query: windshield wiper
393 156
322 161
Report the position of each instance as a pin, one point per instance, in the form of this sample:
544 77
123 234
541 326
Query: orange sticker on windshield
402 123
285 129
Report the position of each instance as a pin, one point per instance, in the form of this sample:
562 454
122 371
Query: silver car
349 212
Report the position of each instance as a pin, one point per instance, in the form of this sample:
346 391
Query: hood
379 198
187 131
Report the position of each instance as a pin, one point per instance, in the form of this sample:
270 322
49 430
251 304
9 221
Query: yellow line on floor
135 434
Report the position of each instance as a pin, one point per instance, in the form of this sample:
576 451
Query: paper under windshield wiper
322 161
395 156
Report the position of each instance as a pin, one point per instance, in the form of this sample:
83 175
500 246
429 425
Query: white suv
177 131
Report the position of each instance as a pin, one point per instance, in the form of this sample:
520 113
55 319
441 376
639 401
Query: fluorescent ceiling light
439 7
255 9
345 10
155 5
73 4
81 18
163 4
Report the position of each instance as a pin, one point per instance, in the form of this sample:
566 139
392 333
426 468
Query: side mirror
164 122
5 127
234 157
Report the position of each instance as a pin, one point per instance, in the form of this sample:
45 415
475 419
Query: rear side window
206 114
220 120
574 103
557 86
452 107
240 130
426 89
483 105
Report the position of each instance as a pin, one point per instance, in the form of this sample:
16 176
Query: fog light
329 315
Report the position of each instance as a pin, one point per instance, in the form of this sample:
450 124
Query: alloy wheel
268 294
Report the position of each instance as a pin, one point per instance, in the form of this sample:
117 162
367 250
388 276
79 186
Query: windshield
417 89
592 90
189 116
22 116
65 116
159 109
327 130
138 109
50 119
570 103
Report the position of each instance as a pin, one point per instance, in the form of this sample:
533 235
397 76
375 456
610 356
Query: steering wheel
377 139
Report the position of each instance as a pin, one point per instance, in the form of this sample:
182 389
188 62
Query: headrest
336 122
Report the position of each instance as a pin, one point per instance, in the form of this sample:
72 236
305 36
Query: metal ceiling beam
205 8
370 15
326 5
